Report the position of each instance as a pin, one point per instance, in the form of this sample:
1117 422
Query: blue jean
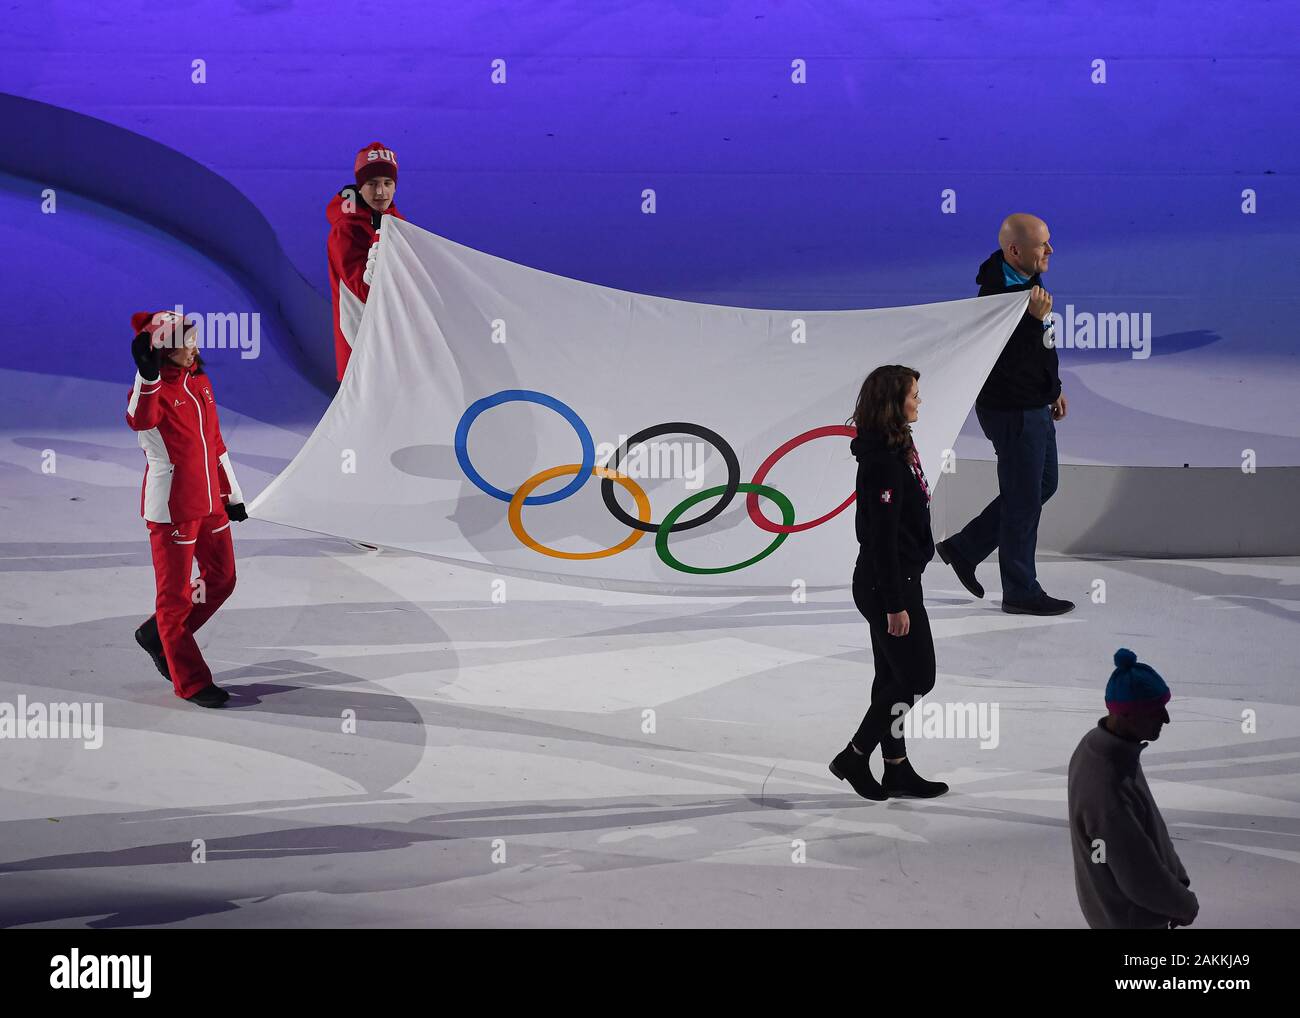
1025 443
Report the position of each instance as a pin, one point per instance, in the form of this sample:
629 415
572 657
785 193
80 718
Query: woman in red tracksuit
355 216
189 498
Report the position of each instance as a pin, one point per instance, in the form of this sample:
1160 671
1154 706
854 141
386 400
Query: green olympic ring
661 540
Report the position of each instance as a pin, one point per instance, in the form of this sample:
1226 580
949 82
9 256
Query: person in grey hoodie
1126 871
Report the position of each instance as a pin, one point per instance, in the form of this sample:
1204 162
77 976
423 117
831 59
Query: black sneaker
210 695
1041 605
852 767
901 782
964 570
147 637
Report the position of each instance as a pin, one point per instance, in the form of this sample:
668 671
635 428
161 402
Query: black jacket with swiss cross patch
893 517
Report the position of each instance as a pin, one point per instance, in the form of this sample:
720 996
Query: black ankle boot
210 695
147 637
902 782
852 767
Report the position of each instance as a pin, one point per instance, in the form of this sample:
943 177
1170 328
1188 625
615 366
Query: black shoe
964 570
147 637
852 767
902 782
1041 605
210 695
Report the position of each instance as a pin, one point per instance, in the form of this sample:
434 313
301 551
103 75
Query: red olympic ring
751 501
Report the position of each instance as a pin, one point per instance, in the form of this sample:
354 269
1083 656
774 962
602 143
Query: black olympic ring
674 428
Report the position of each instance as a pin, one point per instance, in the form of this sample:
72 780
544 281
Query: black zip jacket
893 519
1027 374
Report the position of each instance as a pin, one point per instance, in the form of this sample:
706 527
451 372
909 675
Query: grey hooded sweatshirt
1141 884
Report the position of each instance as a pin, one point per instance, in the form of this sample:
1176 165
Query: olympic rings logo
641 524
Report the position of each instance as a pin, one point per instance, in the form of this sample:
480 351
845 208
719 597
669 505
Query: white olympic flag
473 376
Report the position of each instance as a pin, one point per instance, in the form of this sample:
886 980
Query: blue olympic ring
525 396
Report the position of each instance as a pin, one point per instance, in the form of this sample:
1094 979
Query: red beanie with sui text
375 161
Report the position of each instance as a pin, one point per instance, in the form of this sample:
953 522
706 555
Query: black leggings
904 664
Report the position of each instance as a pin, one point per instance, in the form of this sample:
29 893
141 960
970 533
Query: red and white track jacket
187 473
352 232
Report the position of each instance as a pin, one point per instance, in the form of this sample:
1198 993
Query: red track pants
182 607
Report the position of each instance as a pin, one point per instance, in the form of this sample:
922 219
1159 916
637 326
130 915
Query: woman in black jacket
893 525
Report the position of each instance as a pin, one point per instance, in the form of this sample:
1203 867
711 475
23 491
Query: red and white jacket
187 472
352 232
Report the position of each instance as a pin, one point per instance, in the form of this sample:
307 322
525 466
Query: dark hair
879 408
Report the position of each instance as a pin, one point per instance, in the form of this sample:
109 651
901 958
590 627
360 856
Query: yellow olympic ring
515 515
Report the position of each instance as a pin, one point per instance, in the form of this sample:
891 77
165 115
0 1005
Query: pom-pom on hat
375 160
1134 688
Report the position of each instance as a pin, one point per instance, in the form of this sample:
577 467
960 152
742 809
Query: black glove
148 359
237 512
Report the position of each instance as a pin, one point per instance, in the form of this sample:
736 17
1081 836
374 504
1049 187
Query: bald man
1018 408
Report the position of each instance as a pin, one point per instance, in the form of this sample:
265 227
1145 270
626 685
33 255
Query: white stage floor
500 773
523 722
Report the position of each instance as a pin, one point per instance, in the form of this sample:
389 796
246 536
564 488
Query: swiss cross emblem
887 495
